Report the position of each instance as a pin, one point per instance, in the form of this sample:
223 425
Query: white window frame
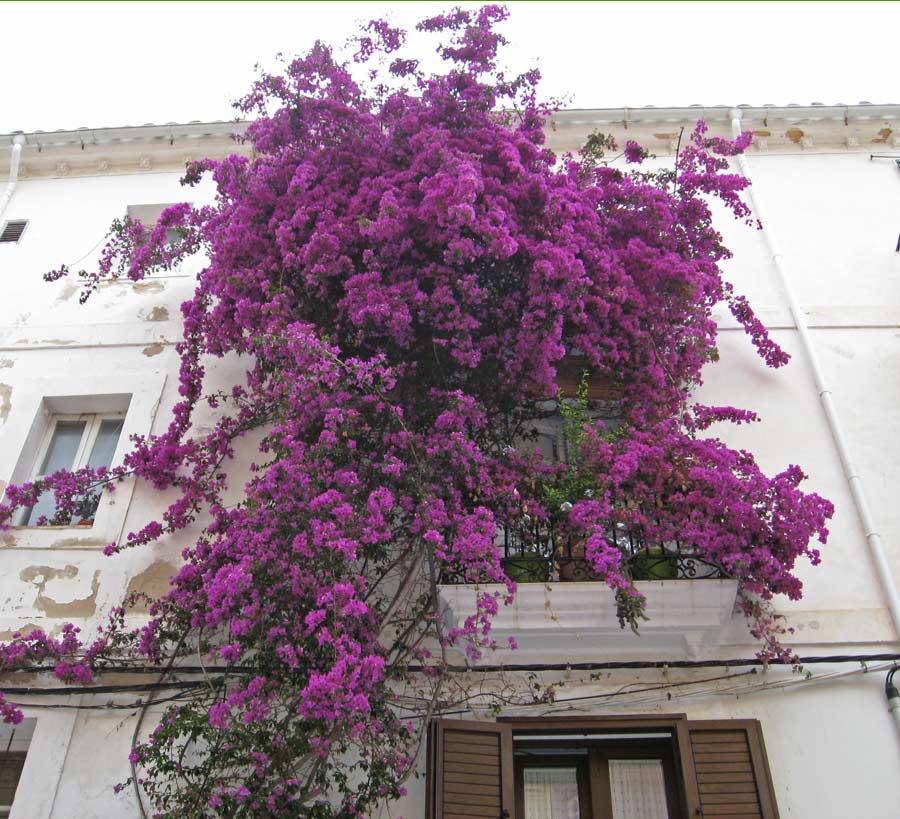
148 215
48 745
67 393
85 447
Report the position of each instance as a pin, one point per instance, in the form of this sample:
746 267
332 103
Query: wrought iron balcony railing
537 554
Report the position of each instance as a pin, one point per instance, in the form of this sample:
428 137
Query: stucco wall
831 745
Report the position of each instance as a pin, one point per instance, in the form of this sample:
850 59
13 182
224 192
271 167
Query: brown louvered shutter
470 768
726 771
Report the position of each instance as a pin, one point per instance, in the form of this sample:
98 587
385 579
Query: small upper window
148 216
73 442
13 230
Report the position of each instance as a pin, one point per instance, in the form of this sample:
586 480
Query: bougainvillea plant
399 271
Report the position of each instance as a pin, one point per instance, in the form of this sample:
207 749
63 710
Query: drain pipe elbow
14 159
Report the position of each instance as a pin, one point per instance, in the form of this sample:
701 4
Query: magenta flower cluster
400 270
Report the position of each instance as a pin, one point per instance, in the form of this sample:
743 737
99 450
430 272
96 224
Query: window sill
577 619
53 527
73 536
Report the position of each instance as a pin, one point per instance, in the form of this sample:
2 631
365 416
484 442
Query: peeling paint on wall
158 314
6 363
5 402
78 542
149 287
153 581
152 350
24 630
65 586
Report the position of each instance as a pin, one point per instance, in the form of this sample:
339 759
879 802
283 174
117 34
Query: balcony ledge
578 620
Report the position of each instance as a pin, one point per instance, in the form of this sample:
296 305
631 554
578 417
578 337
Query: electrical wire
484 668
637 698
185 687
109 689
659 664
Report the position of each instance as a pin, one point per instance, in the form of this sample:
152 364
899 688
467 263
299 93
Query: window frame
706 765
45 737
582 777
93 421
63 392
145 212
663 750
594 789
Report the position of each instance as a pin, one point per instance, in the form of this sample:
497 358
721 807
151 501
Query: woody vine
399 271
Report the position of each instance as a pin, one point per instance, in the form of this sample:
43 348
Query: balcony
562 612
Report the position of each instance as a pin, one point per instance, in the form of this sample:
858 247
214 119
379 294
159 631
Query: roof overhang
777 129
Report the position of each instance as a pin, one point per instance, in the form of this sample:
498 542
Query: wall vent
13 230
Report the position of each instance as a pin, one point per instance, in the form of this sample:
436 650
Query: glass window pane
551 793
63 446
101 455
60 455
638 789
105 445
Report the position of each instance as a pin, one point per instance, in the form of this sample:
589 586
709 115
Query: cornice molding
115 151
792 129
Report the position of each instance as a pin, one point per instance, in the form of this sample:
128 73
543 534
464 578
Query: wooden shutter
725 769
470 768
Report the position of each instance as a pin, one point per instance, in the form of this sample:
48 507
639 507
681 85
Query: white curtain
551 793
638 789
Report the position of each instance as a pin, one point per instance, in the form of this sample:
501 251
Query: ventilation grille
13 230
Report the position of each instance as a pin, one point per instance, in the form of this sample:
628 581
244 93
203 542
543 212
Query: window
659 767
14 742
626 776
131 396
148 216
72 442
545 431
13 230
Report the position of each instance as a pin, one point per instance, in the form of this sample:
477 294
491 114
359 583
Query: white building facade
824 277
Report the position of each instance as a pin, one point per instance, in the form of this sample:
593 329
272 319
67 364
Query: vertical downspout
18 142
873 537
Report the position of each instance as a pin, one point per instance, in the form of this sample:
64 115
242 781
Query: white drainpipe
18 142
873 537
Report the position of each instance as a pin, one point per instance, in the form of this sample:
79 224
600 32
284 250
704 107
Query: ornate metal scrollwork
534 553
